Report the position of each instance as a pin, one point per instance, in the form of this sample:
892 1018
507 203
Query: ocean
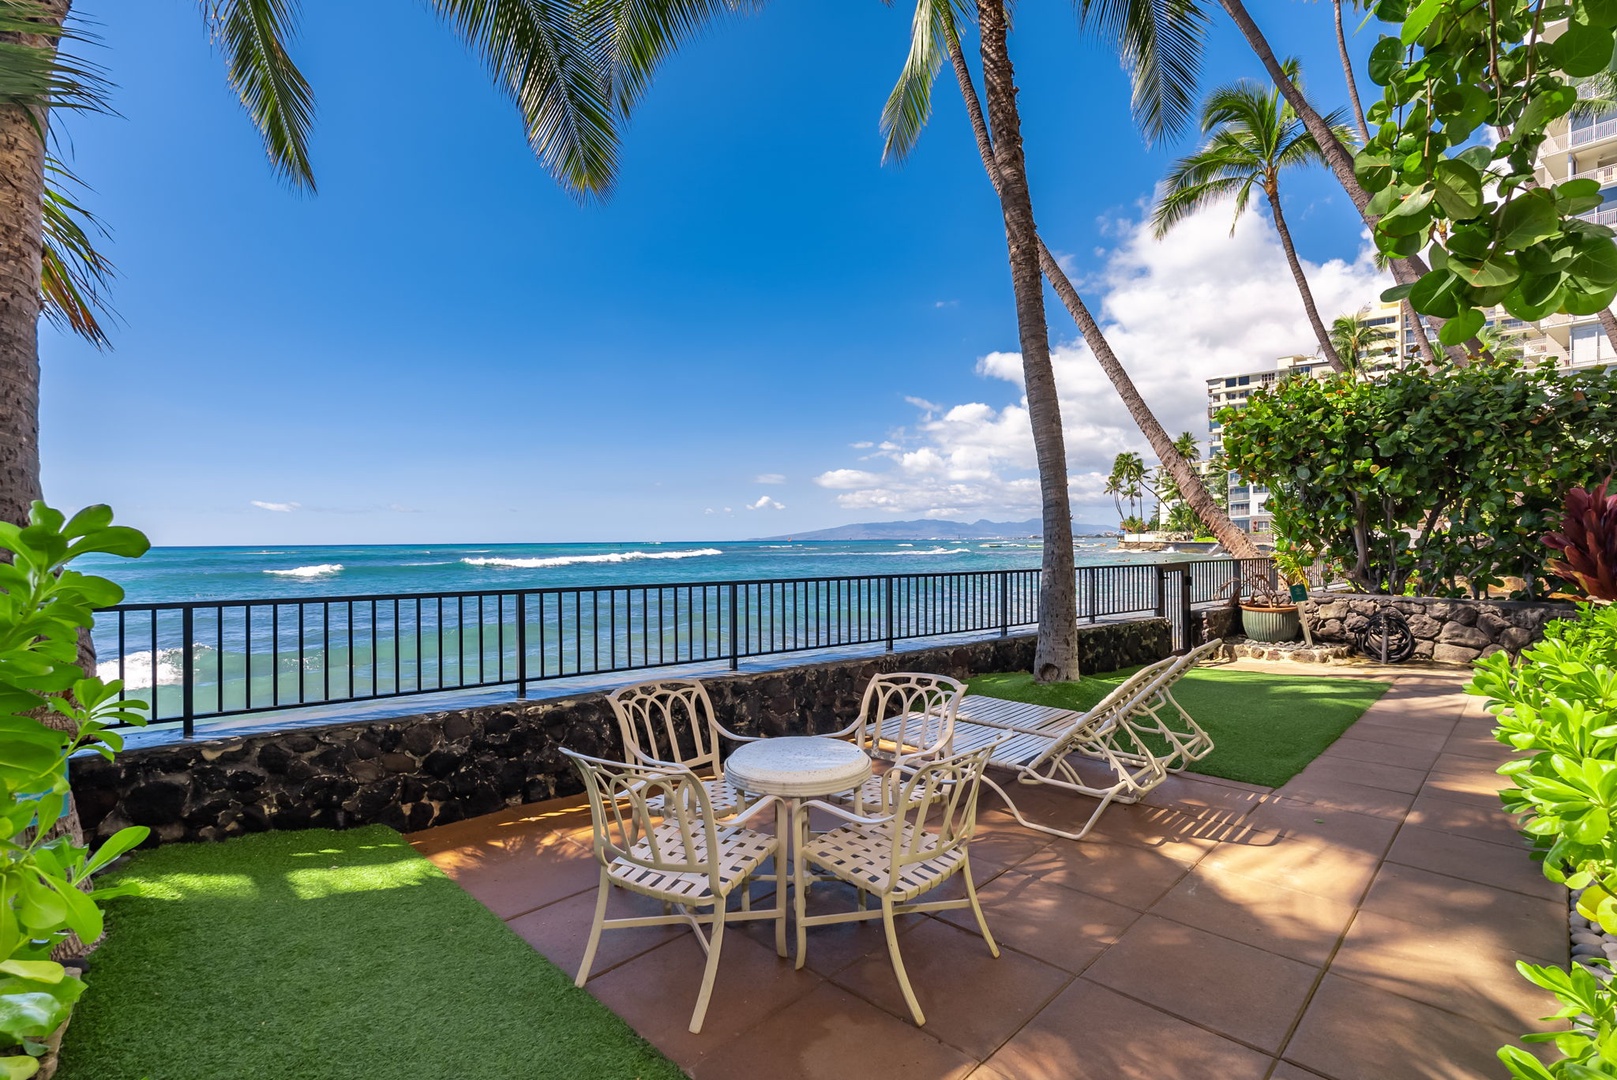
231 573
248 656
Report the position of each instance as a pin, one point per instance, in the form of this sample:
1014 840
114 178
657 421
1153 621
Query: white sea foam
914 551
571 560
319 570
138 668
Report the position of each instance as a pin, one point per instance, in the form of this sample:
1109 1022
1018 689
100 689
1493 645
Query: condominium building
1581 147
1246 501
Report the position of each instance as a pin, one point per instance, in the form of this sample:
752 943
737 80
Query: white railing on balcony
1600 174
1605 215
1603 129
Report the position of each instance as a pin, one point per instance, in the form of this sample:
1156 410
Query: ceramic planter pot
1270 623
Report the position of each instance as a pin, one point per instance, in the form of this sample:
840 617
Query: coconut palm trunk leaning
1191 488
1056 654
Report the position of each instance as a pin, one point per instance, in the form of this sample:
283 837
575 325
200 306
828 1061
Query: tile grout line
1358 906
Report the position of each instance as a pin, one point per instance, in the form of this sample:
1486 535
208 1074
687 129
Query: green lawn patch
1265 728
319 954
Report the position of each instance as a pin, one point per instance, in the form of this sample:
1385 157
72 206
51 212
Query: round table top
797 766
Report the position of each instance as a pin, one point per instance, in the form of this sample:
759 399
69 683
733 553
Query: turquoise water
220 573
645 605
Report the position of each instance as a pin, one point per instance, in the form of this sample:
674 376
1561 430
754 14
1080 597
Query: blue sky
442 346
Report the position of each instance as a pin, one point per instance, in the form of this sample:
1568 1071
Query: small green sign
1299 593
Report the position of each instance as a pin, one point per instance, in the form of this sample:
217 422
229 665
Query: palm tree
573 69
1252 135
1160 45
1126 482
1355 340
907 111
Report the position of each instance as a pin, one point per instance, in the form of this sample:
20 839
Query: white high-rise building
1581 147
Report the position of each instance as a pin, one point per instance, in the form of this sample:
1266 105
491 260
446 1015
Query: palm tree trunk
1404 271
1327 350
1608 323
1422 342
1056 654
22 185
1347 73
1192 490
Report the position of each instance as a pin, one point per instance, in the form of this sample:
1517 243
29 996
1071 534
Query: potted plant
1267 610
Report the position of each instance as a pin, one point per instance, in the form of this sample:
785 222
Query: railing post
887 609
1004 603
1162 592
735 648
522 645
187 675
1191 637
1094 593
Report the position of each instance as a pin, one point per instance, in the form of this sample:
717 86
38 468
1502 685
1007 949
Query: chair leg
976 908
898 961
783 825
800 906
601 893
711 969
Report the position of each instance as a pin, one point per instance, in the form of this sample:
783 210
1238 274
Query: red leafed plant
1588 542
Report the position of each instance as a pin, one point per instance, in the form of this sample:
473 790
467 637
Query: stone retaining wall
436 768
1447 631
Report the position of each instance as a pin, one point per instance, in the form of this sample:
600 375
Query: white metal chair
905 717
674 852
904 853
672 722
1036 741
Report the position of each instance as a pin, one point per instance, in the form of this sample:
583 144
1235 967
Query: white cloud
765 503
769 478
277 507
1177 312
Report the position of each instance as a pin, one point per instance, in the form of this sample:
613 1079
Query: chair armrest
767 800
734 737
846 815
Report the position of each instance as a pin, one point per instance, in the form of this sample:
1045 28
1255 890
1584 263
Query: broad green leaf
1528 218
1589 303
45 971
1419 18
1462 327
1582 50
1546 106
1458 188
1436 293
1499 270
1386 59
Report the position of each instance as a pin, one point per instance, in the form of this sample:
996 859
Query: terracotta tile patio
1359 923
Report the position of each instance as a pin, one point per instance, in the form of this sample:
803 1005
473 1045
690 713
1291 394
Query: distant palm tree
1252 135
1355 339
1503 344
1126 482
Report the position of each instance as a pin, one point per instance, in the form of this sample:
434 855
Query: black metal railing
200 660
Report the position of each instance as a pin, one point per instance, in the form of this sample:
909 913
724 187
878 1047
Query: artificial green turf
1265 728
319 954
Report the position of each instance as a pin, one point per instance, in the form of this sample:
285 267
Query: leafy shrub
1558 704
1438 482
1587 541
44 608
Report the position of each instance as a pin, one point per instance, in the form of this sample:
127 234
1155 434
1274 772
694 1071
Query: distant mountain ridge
928 529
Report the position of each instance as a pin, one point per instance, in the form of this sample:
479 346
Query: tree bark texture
1191 488
1056 654
1347 73
1327 350
22 185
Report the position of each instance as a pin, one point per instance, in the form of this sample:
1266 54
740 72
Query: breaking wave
318 570
572 560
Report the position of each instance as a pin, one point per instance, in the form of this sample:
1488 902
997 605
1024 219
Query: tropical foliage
1358 343
1491 233
1558 705
1440 483
44 608
1587 541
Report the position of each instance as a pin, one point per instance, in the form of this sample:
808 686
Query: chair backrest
667 722
1151 682
908 715
938 801
678 834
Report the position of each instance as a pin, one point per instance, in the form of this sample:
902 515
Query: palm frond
1160 45
38 71
909 106
555 60
75 277
253 34
1178 203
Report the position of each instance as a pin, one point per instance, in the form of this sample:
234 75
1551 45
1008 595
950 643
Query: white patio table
796 767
